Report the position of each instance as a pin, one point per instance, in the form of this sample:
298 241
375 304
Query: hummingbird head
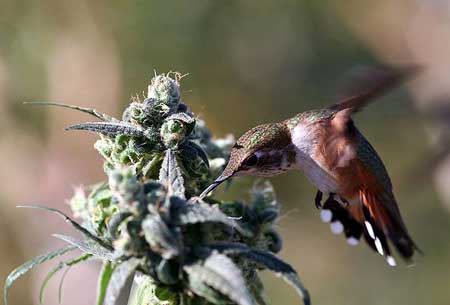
264 150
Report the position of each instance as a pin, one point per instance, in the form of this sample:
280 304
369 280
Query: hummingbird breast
305 139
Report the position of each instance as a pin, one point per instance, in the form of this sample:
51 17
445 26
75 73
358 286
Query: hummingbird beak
216 183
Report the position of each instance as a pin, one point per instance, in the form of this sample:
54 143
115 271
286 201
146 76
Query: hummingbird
339 161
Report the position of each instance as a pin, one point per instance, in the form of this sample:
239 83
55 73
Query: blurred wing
368 83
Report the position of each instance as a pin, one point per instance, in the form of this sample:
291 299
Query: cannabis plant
145 222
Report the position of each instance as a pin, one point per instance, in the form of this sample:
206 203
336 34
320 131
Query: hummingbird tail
387 219
371 222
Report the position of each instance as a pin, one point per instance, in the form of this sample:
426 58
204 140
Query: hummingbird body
334 155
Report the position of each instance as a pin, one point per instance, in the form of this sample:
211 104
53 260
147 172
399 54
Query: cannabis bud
143 221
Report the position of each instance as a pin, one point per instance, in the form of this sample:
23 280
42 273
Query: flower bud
172 132
164 89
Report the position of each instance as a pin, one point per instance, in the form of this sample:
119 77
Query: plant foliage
146 220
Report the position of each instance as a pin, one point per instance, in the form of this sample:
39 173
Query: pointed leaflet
21 270
100 115
119 279
268 260
110 129
57 268
220 273
88 246
192 213
170 175
103 281
78 227
61 282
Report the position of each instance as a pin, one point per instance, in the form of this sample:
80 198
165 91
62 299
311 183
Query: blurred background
248 62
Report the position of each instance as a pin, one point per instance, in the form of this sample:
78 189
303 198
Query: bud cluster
145 218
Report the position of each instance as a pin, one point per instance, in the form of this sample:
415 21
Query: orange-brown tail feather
374 222
387 221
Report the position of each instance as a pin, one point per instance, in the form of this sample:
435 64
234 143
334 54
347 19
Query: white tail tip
326 215
337 227
391 261
352 241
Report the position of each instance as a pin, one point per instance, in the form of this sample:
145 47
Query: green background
249 62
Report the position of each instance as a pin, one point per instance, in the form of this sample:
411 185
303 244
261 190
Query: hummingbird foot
318 200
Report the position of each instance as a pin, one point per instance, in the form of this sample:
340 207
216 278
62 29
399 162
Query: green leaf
119 279
78 227
110 129
160 237
93 112
192 213
88 246
103 282
292 279
220 273
115 222
143 291
21 270
57 268
185 118
198 151
170 175
61 282
269 261
257 289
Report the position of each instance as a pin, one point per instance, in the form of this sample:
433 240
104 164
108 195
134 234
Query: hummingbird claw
318 200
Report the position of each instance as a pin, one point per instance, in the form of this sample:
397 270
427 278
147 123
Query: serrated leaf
192 213
119 280
24 268
77 226
269 261
160 237
220 273
100 115
57 268
88 246
103 281
170 175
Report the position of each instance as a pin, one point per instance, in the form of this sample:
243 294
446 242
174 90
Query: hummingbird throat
274 161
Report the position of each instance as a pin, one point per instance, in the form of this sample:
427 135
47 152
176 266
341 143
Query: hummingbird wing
377 198
363 178
369 83
361 171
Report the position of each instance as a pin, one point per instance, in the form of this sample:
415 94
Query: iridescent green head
261 151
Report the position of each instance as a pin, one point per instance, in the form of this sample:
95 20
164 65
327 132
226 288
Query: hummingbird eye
251 161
